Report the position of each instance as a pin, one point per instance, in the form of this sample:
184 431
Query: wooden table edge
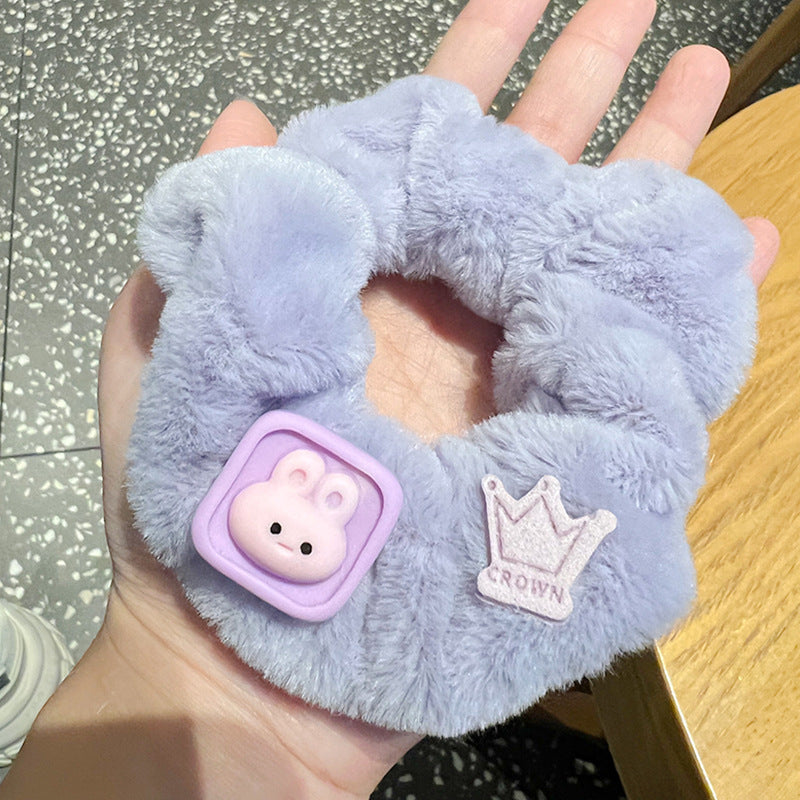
639 709
646 732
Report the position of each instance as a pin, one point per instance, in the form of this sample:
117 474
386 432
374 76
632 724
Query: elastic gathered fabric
629 323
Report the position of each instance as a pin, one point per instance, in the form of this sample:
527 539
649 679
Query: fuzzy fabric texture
629 323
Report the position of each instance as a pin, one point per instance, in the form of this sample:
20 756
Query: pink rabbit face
293 523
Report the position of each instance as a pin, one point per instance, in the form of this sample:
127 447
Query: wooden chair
779 43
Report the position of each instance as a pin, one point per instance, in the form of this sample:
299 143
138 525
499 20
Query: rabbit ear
337 496
300 469
190 203
172 222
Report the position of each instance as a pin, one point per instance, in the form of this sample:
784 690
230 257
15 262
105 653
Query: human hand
157 664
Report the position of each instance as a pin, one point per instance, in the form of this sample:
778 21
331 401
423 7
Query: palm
432 367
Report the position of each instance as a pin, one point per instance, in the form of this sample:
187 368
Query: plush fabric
629 324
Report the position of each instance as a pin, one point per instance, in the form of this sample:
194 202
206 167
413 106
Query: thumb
767 241
240 124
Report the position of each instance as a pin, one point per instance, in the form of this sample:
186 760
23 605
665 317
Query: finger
767 243
483 43
678 113
580 74
241 123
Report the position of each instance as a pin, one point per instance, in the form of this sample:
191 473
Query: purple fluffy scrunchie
629 323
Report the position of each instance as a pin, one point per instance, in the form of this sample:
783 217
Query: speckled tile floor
96 100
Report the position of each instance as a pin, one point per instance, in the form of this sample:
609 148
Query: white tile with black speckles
53 554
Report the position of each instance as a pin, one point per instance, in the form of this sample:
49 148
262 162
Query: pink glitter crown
536 549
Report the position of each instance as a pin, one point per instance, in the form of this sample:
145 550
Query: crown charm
536 550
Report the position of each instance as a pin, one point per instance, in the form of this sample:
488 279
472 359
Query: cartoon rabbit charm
293 524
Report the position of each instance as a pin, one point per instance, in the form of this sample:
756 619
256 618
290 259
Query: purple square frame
270 438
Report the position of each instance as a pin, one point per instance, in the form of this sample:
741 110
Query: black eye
275 527
305 548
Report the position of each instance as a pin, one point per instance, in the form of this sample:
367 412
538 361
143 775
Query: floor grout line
13 206
87 449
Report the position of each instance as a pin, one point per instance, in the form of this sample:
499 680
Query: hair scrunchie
628 324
